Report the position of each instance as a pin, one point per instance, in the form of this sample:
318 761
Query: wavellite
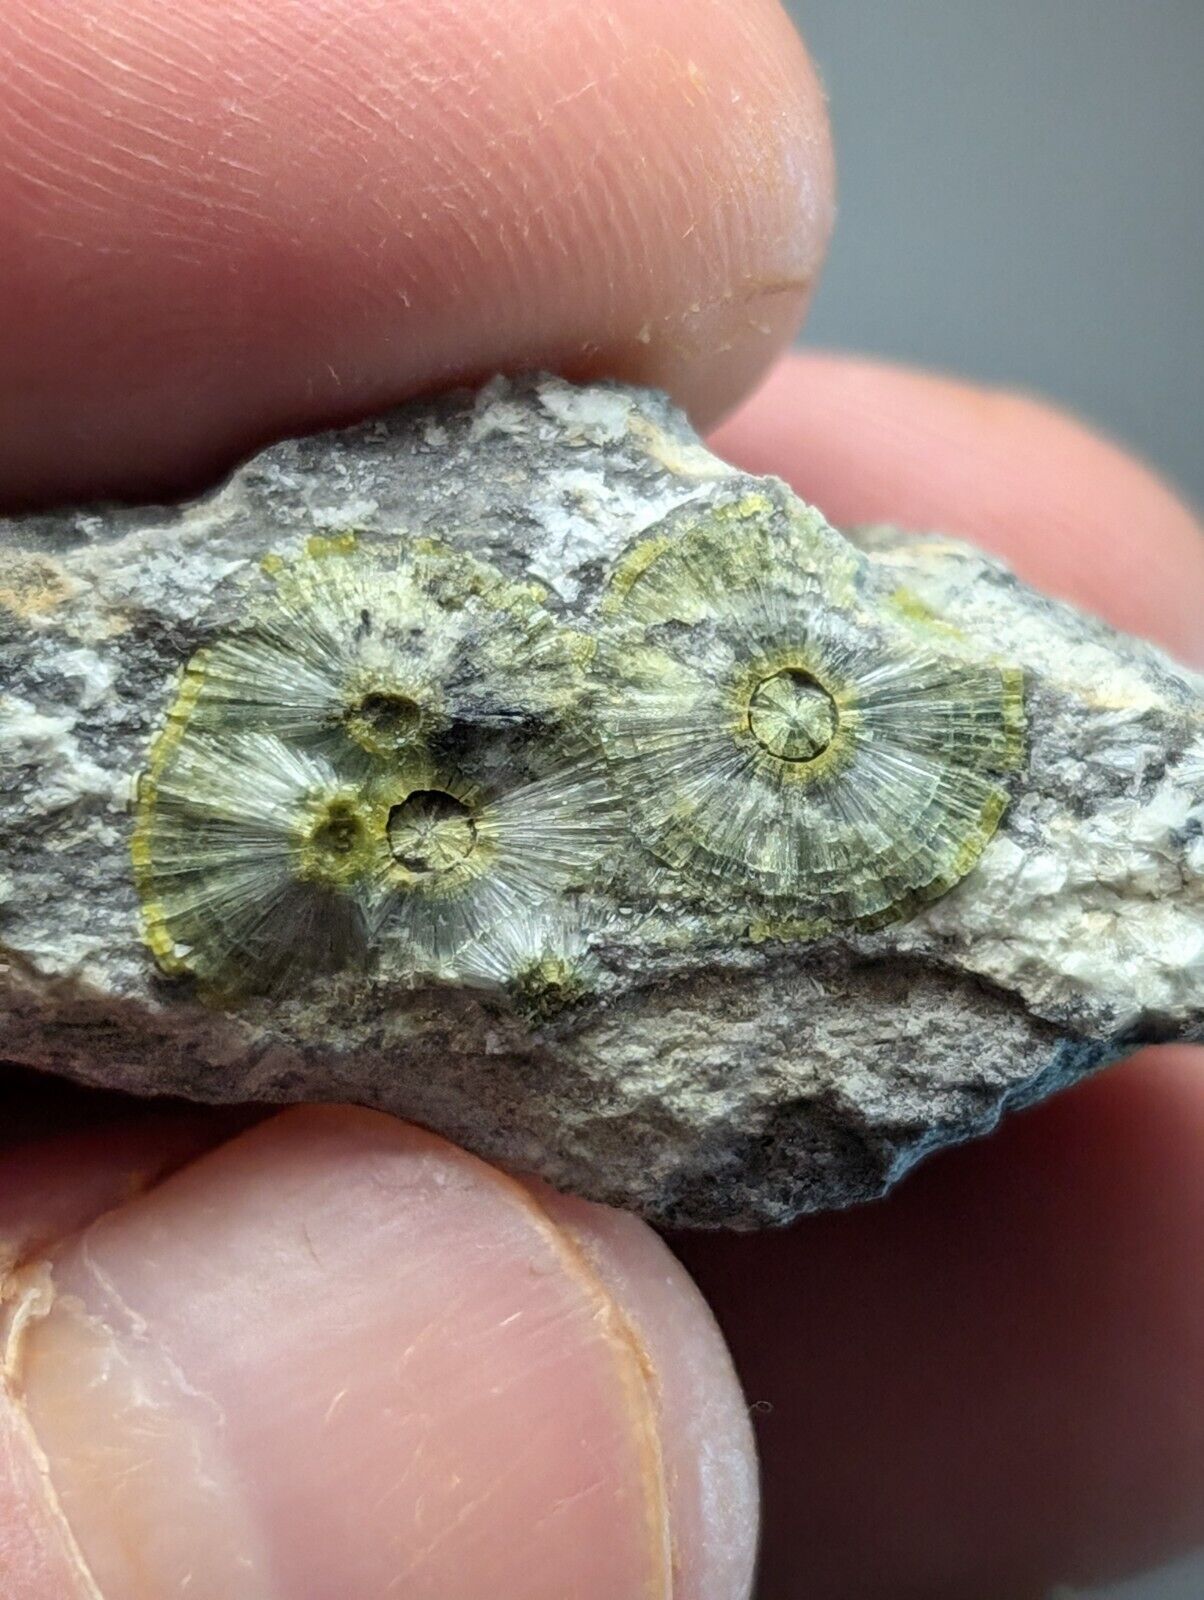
513 764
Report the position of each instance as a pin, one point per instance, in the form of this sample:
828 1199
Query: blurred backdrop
1021 202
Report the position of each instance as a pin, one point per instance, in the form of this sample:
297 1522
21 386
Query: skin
323 1352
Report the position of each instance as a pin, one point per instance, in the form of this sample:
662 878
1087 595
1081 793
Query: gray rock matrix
712 1082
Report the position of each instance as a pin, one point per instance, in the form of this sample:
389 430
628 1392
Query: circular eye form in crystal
781 738
385 722
430 831
339 832
792 716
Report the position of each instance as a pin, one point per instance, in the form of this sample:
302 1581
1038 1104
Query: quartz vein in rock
513 764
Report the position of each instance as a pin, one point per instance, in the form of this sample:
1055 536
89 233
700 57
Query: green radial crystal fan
782 743
396 760
382 757
253 859
543 961
383 648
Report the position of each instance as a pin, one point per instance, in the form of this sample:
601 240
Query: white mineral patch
495 411
590 416
348 516
90 673
1111 909
44 743
575 515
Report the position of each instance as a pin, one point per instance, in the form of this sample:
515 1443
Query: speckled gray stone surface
707 1081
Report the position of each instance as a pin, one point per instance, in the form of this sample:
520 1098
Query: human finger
226 222
338 1356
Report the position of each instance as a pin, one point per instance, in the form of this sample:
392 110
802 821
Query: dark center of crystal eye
338 833
792 715
388 717
431 831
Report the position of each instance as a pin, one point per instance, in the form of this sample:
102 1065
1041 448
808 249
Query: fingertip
342 1353
238 220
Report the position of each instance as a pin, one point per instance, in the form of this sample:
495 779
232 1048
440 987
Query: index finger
226 222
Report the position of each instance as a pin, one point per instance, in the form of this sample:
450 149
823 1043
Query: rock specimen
514 765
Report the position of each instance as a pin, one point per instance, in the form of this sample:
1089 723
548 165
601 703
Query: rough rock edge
740 1090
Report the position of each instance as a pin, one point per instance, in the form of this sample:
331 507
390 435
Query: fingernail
708 1452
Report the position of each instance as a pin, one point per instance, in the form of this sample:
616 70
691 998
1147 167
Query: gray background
1020 201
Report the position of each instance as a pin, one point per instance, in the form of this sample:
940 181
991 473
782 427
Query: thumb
337 1356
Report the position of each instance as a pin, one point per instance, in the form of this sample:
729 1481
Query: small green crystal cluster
401 760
